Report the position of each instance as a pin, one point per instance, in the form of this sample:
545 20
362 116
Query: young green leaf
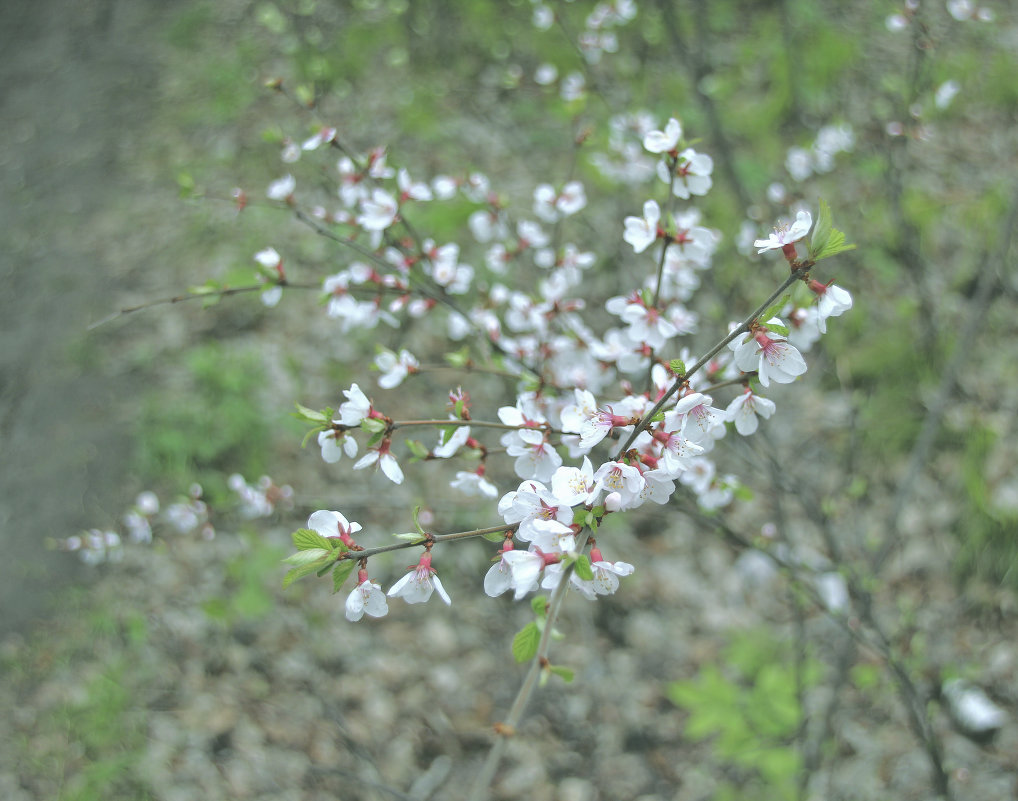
540 605
564 673
373 425
341 573
821 230
525 643
827 240
458 358
583 567
774 310
306 557
677 366
312 416
310 434
303 570
416 448
835 245
305 538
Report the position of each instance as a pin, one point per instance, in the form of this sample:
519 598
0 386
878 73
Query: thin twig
482 782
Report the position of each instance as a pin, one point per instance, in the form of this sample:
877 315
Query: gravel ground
301 704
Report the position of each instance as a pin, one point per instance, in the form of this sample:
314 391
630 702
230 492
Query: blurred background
845 629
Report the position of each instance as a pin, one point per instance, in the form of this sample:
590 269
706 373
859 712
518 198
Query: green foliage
583 569
751 710
88 743
248 586
525 642
210 426
827 240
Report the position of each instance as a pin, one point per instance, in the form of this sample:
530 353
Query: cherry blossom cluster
597 38
584 401
186 515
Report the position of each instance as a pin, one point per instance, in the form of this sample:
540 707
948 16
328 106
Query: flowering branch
799 272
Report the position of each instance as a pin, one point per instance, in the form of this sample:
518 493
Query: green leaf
417 524
821 230
416 448
310 434
210 287
341 573
302 571
583 567
540 605
307 556
774 310
312 416
835 245
677 366
827 240
742 493
778 329
445 433
305 538
373 425
525 643
459 358
564 673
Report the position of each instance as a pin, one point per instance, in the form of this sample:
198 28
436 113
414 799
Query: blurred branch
218 294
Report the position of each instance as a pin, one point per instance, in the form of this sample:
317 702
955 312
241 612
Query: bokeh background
182 670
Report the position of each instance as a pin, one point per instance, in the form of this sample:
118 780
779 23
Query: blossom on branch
744 409
786 234
384 459
832 301
642 231
770 355
356 408
666 140
333 524
334 444
691 174
282 189
417 585
395 368
367 598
